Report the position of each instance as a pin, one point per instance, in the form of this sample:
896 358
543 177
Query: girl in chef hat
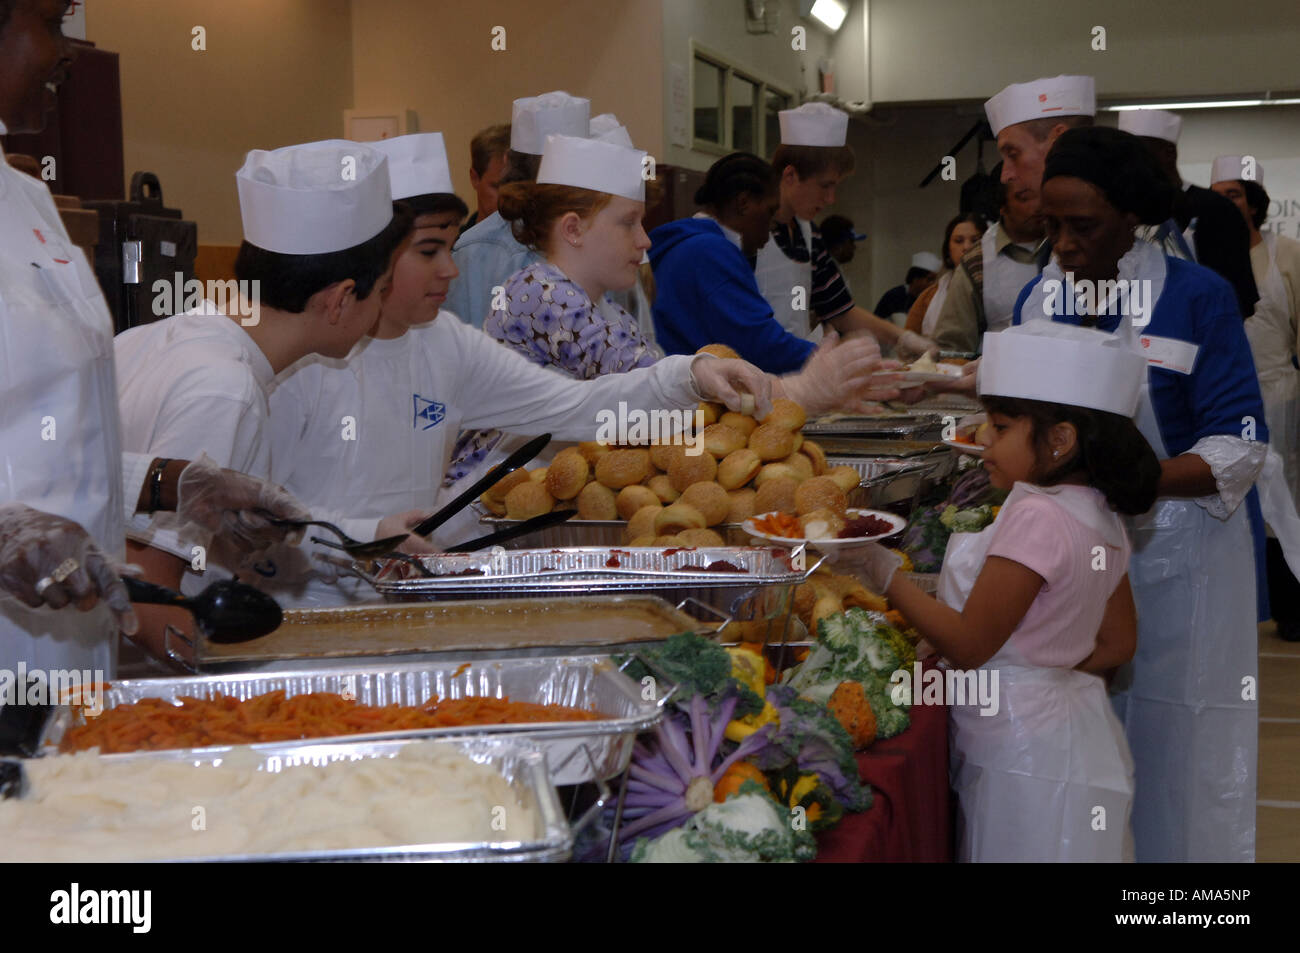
1041 600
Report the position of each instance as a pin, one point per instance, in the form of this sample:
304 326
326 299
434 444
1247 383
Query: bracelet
155 484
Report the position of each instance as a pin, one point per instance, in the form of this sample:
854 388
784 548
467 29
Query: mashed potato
81 807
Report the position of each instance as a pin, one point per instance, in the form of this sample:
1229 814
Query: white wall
719 25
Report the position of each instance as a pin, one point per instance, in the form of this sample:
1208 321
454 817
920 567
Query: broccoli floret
697 665
890 719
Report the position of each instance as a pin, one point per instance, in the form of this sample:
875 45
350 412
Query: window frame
762 87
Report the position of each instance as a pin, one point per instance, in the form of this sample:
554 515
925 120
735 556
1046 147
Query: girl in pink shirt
1040 603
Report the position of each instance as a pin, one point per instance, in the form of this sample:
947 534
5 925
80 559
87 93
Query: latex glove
404 523
839 377
46 560
911 346
224 502
959 385
728 381
875 565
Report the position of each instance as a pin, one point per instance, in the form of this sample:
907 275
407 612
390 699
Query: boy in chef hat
1041 601
811 161
320 235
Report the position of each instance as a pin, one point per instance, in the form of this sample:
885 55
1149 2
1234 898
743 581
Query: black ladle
227 611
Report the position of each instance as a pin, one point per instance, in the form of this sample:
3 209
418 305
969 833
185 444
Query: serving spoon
228 611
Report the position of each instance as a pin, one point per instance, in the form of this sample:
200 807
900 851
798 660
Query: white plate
970 423
904 376
975 450
896 523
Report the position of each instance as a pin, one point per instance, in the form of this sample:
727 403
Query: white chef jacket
59 436
191 384
408 398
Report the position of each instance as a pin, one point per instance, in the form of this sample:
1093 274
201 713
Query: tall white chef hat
417 164
927 260
1042 99
607 128
314 198
550 114
813 124
1051 361
593 164
1155 123
1244 168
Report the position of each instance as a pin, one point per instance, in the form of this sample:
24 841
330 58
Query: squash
735 776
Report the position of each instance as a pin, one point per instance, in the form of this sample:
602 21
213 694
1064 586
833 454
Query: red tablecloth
909 817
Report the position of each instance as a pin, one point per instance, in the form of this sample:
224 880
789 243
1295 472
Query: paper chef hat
607 128
315 198
1051 361
417 164
593 164
1156 123
1235 167
550 114
813 124
1042 99
927 260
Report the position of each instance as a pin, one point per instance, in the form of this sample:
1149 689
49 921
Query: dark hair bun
1119 165
733 175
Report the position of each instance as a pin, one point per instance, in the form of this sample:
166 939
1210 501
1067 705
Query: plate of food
923 371
972 435
824 530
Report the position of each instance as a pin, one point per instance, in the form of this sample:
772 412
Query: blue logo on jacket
430 411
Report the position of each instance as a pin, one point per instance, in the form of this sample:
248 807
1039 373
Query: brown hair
809 161
533 208
486 145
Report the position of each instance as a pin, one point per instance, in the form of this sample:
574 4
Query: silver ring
61 572
41 585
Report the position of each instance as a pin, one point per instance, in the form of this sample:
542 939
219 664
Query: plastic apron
1004 279
1194 740
777 275
1029 779
931 318
1272 341
60 449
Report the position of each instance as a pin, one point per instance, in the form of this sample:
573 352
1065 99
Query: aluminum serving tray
521 764
577 752
577 533
881 425
584 570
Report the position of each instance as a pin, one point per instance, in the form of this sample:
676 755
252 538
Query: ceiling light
1210 104
830 13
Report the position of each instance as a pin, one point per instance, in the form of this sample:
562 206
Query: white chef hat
417 164
550 114
314 198
1155 123
593 164
1064 364
1043 98
927 260
607 128
813 124
1236 167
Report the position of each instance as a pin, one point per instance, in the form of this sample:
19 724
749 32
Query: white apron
777 275
60 449
1272 342
936 305
1004 279
1030 778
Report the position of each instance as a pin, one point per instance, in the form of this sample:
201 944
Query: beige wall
275 72
437 59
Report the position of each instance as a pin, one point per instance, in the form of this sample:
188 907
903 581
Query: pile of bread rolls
669 497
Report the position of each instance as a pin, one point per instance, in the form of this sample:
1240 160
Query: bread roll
497 492
798 441
640 542
633 498
700 537
686 470
818 457
741 422
567 474
771 442
775 495
711 413
669 540
738 468
845 477
719 350
820 493
710 499
800 464
528 500
677 517
592 450
642 522
786 413
741 505
662 455
775 471
597 502
620 468
495 507
538 475
663 488
720 440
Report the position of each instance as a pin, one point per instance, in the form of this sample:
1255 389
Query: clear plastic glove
911 346
839 377
875 565
958 385
738 384
46 560
224 502
404 523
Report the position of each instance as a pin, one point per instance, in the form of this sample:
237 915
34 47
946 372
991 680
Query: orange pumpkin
734 777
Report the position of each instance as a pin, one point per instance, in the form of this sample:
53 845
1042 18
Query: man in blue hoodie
705 290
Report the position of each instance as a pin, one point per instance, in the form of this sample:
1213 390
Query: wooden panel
215 262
